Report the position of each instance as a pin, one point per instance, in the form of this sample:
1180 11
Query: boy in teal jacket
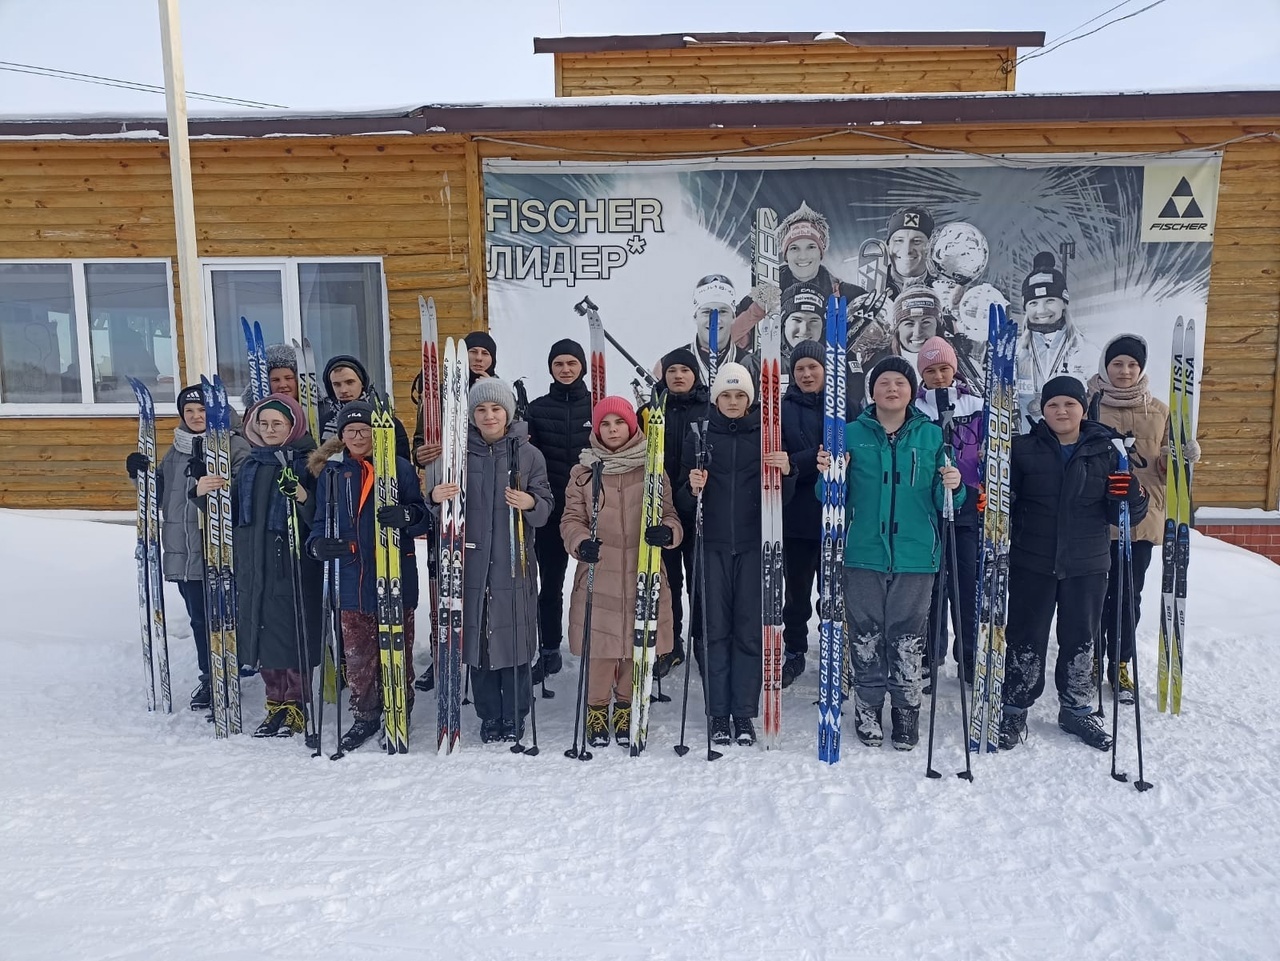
898 472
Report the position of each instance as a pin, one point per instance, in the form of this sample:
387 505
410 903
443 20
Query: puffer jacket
968 436
181 538
559 426
802 427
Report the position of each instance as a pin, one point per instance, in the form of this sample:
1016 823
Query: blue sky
331 54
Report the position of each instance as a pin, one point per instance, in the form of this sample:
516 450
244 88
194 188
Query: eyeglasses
357 432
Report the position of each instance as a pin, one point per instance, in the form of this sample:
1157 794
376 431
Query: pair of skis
831 557
308 386
1176 549
391 652
155 643
220 582
648 576
453 538
256 347
993 559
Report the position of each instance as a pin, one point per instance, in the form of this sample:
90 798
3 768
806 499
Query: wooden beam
476 256
1273 465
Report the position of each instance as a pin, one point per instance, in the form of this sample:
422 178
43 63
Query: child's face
614 432
1063 415
892 392
680 379
938 375
566 368
733 403
284 381
809 375
193 417
1123 371
479 360
491 420
804 257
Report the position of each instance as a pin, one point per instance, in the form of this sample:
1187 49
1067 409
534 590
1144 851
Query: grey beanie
491 390
808 348
281 355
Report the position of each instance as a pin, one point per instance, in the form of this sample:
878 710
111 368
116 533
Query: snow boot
598 725
490 731
512 730
792 667
274 720
622 724
359 732
1013 729
295 722
866 724
1085 727
427 679
720 730
1126 685
906 727
744 732
202 696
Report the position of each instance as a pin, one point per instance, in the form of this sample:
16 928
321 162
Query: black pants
193 596
1033 599
496 692
678 562
552 563
1141 561
968 543
800 560
734 669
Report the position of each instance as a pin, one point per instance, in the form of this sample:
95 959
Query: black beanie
479 338
561 347
910 218
1045 280
190 395
895 364
810 349
683 356
1130 345
1064 385
356 412
805 297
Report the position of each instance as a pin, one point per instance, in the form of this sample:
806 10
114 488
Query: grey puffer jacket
500 613
180 537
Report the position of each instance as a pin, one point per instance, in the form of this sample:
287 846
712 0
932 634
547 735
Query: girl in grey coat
500 611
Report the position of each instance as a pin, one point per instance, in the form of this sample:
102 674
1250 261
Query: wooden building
350 217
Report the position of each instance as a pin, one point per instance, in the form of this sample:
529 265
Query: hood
1102 355
250 427
330 449
345 360
476 444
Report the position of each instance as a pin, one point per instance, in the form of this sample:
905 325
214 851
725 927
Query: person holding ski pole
966 412
1066 490
1120 397
500 608
732 534
617 443
346 463
269 635
898 472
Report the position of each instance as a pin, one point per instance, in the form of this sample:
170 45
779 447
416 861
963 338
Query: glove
135 464
399 516
1120 485
288 484
331 548
196 468
589 551
982 499
659 535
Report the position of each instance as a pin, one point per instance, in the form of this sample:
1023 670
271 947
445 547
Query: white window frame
291 304
85 344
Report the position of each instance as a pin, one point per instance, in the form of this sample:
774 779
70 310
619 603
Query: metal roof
676 41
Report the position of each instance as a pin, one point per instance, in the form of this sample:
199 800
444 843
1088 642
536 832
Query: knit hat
936 350
567 347
352 364
917 302
733 376
713 290
491 390
804 223
614 404
807 348
190 395
805 297
1045 280
910 218
281 355
1128 345
893 364
274 403
1064 385
479 338
356 412
683 356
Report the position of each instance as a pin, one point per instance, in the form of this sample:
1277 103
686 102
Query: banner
1079 250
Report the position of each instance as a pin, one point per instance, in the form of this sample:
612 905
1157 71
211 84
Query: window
338 305
72 332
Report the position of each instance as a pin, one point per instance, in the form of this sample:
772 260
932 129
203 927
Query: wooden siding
417 202
785 69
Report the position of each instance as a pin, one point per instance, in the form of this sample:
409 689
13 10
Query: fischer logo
1181 212
1179 202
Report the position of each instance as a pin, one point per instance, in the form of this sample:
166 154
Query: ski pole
700 442
1119 597
957 626
1142 784
948 522
299 625
682 749
333 582
585 308
580 705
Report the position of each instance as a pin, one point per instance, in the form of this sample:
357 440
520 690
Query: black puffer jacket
331 407
559 426
1061 517
682 410
802 419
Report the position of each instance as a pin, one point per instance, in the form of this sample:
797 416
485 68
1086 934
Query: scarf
1139 395
631 456
183 440
277 503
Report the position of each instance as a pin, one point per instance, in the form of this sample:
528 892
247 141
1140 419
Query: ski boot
490 731
274 720
906 727
792 667
622 724
1086 727
202 696
598 725
1126 694
744 732
720 731
359 732
866 724
426 680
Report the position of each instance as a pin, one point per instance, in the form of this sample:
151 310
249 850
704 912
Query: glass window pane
342 313
39 359
130 330
257 295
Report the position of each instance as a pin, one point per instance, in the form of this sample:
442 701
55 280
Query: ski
430 397
159 643
308 386
993 559
595 327
1170 540
831 557
215 599
391 653
713 347
259 376
452 549
141 553
1176 553
873 266
648 579
226 564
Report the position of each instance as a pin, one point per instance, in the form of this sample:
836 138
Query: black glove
331 548
289 484
589 551
399 516
196 468
135 464
1120 486
659 535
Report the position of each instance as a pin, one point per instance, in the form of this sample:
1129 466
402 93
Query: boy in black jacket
1066 490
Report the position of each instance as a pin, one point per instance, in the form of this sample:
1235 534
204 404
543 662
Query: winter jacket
1060 512
968 437
693 406
895 495
331 407
559 426
357 576
731 498
181 537
613 605
500 613
802 431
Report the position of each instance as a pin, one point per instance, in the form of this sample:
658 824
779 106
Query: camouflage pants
364 667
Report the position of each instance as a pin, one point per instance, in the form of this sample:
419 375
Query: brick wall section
1262 539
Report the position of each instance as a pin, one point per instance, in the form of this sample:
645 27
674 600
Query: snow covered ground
129 836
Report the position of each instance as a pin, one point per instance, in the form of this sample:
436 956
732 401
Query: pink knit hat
614 405
936 351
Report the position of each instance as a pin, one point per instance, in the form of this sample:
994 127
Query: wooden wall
417 202
784 68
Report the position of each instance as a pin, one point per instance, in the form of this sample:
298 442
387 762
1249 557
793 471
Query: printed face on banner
1077 251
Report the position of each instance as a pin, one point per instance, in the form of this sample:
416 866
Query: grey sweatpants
887 615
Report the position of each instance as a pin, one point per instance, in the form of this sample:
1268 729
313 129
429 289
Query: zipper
893 495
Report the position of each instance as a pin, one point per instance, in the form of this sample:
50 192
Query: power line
39 71
1057 45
